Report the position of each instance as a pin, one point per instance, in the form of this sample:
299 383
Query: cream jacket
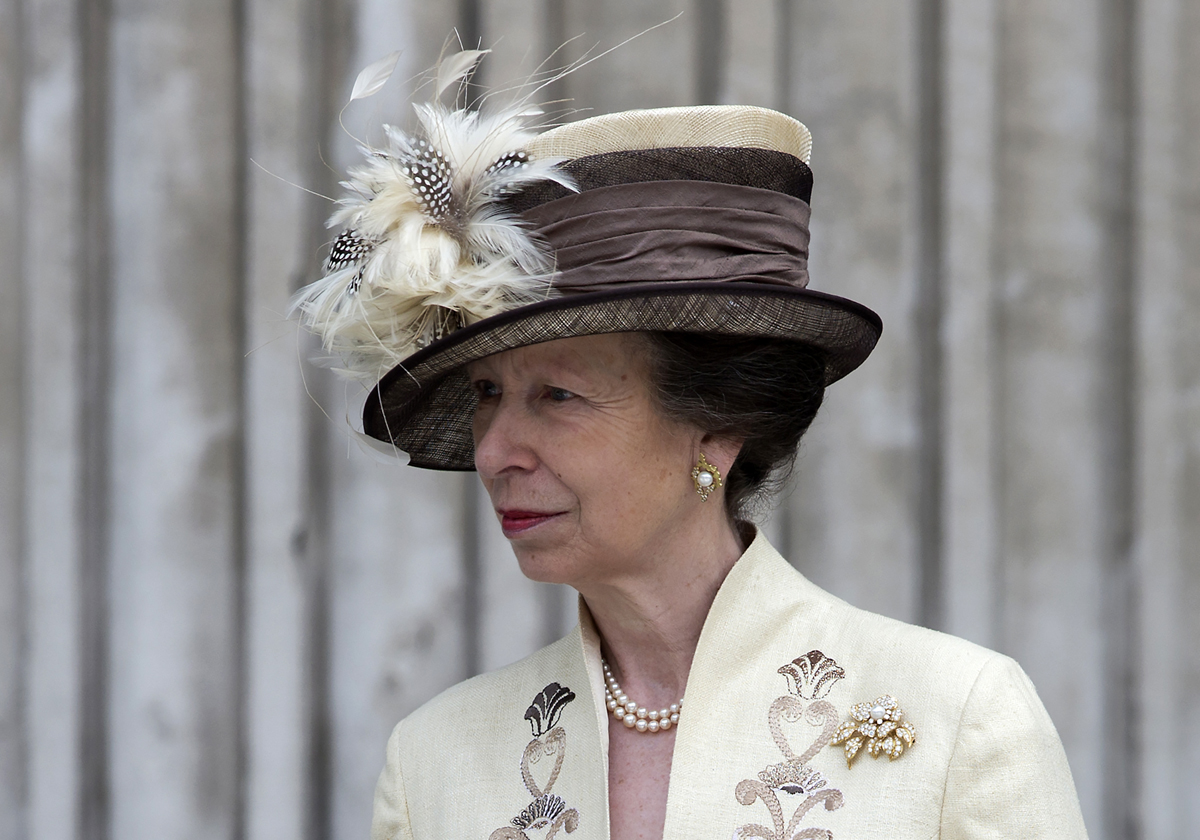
786 680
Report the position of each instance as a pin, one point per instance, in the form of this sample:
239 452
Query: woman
610 322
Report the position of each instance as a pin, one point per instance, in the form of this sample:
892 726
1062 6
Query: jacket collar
756 581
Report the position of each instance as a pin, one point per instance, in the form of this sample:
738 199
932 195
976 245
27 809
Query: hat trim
846 331
744 126
673 231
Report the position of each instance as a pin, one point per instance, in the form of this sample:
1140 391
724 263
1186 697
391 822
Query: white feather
374 76
453 68
426 273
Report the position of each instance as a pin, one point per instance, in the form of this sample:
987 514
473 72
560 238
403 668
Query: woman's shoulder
893 646
496 695
943 678
826 648
777 603
469 759
974 712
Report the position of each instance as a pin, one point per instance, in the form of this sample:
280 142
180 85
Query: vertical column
283 100
710 50
53 322
396 620
1119 199
12 358
751 72
1167 454
930 293
853 517
968 330
176 433
95 429
1049 401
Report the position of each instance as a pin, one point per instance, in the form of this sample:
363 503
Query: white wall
214 604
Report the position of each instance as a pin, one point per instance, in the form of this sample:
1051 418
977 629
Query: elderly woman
609 321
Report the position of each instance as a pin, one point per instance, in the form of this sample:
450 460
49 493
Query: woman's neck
650 622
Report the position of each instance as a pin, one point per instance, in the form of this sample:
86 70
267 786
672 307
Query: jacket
803 717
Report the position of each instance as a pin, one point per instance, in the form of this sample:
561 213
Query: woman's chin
550 562
543 566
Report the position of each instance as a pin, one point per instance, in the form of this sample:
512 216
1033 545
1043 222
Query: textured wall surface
214 603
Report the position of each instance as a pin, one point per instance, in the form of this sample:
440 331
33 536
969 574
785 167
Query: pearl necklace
630 713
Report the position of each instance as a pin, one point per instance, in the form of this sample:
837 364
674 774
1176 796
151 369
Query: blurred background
214 605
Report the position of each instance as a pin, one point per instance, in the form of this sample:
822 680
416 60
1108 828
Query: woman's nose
502 439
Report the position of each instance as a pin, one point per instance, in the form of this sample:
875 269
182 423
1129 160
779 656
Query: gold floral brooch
880 725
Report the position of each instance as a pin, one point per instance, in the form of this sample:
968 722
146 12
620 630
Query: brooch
880 725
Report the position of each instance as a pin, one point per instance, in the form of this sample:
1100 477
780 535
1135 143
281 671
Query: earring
706 477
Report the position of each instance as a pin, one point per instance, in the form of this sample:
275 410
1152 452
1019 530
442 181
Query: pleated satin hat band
674 231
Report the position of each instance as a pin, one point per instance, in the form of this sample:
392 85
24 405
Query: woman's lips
515 522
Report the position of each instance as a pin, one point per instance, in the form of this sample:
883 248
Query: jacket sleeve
389 817
1008 775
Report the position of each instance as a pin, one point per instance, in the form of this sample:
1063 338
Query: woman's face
586 475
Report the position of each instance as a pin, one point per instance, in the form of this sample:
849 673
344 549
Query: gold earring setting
706 477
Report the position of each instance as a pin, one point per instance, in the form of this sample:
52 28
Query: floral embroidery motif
546 811
810 678
880 725
812 675
792 777
547 708
540 812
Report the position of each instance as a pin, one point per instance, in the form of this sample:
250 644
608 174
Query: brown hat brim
425 405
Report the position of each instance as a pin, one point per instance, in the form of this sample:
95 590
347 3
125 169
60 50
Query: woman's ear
721 452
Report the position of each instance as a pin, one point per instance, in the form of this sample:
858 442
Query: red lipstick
515 522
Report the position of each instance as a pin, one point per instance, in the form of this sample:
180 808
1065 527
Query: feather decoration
374 76
455 68
425 246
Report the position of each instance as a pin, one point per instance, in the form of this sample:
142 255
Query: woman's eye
485 388
560 394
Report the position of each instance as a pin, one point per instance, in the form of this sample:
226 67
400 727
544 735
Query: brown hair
764 391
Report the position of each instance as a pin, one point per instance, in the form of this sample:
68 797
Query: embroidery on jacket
810 678
546 811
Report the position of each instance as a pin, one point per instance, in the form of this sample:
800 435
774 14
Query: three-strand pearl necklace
630 713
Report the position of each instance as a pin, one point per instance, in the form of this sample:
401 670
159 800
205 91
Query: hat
478 236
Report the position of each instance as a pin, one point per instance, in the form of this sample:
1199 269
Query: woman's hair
764 391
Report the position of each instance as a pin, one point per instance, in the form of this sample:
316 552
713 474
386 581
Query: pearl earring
706 477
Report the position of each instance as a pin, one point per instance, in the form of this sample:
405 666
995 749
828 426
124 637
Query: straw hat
479 236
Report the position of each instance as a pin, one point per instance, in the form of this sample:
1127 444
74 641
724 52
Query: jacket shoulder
486 730
860 656
497 692
883 646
